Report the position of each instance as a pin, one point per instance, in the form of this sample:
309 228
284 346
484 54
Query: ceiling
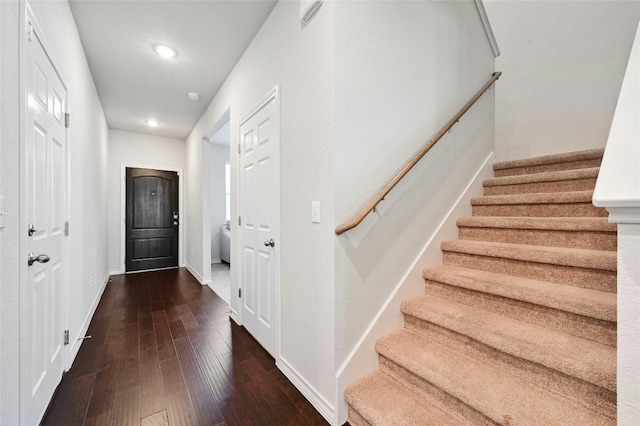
135 84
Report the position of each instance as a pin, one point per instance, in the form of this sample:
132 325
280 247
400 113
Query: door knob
270 243
41 258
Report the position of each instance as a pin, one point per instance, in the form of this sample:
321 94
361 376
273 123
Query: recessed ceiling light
194 96
152 123
165 51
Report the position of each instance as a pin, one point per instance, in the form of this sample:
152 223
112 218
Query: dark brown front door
152 219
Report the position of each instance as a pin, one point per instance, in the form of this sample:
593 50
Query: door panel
152 219
259 198
42 298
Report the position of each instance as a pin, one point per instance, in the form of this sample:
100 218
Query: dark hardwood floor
164 352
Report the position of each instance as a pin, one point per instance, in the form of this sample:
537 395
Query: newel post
618 190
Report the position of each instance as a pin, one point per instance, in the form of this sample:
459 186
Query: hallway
164 352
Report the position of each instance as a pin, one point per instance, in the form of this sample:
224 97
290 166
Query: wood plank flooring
164 352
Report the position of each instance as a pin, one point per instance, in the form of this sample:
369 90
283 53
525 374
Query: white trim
324 407
629 215
486 24
233 314
123 209
219 124
2 211
273 94
197 276
74 346
616 203
363 360
142 271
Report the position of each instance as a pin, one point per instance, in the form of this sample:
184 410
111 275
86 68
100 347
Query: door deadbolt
32 229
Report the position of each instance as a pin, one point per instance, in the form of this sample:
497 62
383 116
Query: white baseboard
233 314
197 276
363 359
215 261
318 401
116 273
75 341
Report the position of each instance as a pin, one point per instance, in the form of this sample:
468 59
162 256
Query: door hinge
239 220
238 144
66 229
66 119
66 337
239 292
29 30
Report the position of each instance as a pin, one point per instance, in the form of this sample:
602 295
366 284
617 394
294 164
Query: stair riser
572 239
356 419
579 391
542 187
582 164
540 210
600 331
596 279
442 399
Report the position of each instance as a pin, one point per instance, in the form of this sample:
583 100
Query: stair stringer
363 359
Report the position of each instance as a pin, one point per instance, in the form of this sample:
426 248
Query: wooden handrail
359 217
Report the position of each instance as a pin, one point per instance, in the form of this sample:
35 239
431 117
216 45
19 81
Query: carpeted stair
518 326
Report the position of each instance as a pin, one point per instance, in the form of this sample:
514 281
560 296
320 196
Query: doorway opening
220 209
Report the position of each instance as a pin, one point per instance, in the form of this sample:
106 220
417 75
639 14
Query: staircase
518 326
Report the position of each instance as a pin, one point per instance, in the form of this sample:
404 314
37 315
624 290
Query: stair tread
535 198
551 159
555 176
587 360
585 258
600 224
582 301
382 400
486 388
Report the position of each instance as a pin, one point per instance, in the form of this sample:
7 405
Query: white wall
301 62
563 63
139 150
88 192
219 156
403 69
0 207
9 187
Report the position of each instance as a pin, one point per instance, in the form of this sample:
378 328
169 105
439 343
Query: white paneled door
259 222
42 355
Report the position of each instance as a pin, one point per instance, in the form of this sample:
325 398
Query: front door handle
41 258
270 243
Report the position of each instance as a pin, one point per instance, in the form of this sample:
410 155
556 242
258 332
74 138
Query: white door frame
206 197
273 94
28 21
123 209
